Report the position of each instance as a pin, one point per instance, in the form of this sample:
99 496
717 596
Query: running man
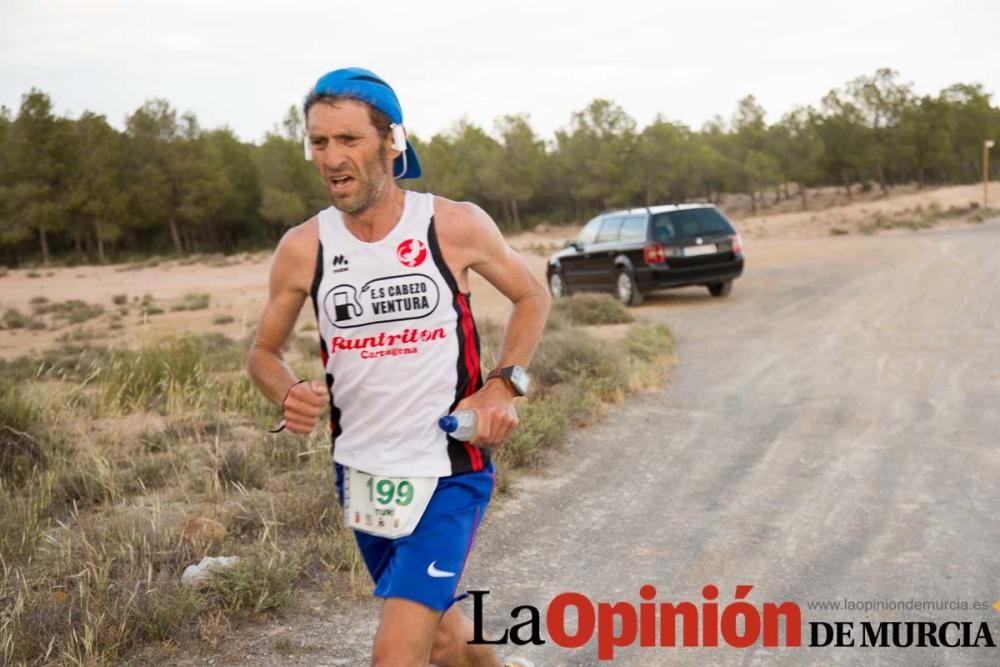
387 272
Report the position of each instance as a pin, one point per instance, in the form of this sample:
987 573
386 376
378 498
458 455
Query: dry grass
106 457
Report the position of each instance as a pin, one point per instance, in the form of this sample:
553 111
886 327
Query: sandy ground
848 217
237 289
238 285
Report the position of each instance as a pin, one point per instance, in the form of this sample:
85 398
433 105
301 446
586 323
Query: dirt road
829 433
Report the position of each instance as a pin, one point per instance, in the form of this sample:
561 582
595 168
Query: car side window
663 230
589 231
610 229
634 228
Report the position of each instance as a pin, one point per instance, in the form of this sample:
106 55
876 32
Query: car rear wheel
626 290
557 286
720 289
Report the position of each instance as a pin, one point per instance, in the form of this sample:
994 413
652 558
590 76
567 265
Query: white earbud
398 137
307 149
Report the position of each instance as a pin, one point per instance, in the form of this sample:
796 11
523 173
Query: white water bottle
461 424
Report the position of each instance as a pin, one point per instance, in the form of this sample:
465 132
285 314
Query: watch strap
504 374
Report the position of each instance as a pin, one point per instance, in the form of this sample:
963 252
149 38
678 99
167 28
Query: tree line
81 190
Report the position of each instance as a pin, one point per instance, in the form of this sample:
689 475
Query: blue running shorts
426 565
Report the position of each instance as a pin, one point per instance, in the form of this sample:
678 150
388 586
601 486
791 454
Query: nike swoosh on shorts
434 572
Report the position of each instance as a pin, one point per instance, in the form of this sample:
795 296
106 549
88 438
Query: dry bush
592 309
73 311
193 301
241 467
14 319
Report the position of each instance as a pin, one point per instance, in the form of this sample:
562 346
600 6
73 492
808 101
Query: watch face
519 379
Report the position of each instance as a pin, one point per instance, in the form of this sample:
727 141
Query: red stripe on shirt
472 367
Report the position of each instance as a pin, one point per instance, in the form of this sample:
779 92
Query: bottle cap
448 424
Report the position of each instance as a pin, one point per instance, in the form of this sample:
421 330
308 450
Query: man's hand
495 414
304 405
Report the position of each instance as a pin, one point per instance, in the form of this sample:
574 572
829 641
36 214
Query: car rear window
688 223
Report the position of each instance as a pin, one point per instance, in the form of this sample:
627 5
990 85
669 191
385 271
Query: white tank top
399 346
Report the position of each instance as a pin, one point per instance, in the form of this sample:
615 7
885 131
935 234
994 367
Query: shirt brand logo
341 262
436 573
411 252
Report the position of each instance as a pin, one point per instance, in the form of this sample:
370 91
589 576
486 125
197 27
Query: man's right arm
291 276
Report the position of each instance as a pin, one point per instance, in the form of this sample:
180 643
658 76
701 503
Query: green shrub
192 302
572 356
648 341
73 311
14 319
592 309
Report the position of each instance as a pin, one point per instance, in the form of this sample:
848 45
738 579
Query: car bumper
702 273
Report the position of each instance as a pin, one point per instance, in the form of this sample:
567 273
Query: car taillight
654 254
737 245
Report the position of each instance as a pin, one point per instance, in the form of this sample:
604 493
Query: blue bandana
366 86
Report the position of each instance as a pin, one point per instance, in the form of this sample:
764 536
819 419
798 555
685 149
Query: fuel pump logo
345 304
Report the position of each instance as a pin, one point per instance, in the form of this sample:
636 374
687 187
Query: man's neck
375 222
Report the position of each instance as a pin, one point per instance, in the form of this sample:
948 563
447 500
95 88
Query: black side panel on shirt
463 456
323 352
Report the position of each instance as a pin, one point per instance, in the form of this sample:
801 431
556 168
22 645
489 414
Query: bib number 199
384 491
385 506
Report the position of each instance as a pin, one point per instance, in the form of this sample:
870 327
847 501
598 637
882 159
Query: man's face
351 156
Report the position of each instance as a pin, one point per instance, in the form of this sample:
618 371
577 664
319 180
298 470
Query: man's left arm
487 253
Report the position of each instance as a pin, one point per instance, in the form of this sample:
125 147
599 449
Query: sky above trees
241 63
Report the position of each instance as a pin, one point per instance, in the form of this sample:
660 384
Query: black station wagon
631 252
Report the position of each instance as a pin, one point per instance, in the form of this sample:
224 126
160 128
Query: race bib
385 506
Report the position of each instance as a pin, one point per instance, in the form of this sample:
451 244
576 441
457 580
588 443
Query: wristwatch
515 377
